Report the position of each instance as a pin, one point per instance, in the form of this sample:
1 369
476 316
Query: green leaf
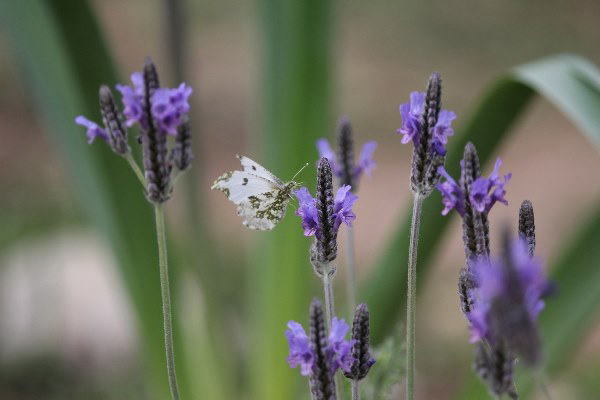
64 61
569 82
296 103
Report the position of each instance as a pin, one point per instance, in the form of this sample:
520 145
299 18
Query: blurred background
78 308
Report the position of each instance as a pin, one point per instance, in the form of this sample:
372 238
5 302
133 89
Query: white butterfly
261 197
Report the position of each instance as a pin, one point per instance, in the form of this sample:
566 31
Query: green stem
355 390
166 298
411 301
136 169
350 272
328 294
329 310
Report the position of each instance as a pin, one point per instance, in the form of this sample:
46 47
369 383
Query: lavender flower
133 98
361 355
342 165
307 209
301 350
93 131
428 127
323 215
321 355
484 192
508 300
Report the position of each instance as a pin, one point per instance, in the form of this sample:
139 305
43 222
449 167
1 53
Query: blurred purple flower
342 210
93 130
366 163
301 351
508 299
133 100
169 106
338 350
441 131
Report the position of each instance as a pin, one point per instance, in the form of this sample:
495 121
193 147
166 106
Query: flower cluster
159 112
483 193
508 299
307 209
428 127
304 352
412 123
169 106
366 164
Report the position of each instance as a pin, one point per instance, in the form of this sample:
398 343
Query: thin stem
166 299
355 390
350 272
136 168
329 310
328 294
411 301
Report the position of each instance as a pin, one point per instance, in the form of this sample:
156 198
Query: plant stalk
411 301
350 272
328 294
136 168
355 390
166 298
329 311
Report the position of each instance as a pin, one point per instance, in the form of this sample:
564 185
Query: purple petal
307 210
93 130
325 151
366 163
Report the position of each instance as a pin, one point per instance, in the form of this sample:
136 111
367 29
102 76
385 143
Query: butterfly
260 196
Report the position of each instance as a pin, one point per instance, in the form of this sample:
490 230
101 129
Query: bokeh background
71 325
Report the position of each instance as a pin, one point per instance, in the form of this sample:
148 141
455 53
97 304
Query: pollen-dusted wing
260 196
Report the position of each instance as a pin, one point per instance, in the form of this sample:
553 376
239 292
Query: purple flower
411 114
338 351
133 100
366 164
342 210
326 151
301 350
441 131
307 209
342 207
485 192
169 106
517 285
452 194
93 130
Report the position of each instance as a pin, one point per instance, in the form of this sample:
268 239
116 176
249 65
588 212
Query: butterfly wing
255 168
264 211
238 186
261 197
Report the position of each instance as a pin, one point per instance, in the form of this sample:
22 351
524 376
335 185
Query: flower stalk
428 127
166 298
411 304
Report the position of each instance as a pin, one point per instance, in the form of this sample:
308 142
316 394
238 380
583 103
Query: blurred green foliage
64 61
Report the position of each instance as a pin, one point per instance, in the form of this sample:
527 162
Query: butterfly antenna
300 170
